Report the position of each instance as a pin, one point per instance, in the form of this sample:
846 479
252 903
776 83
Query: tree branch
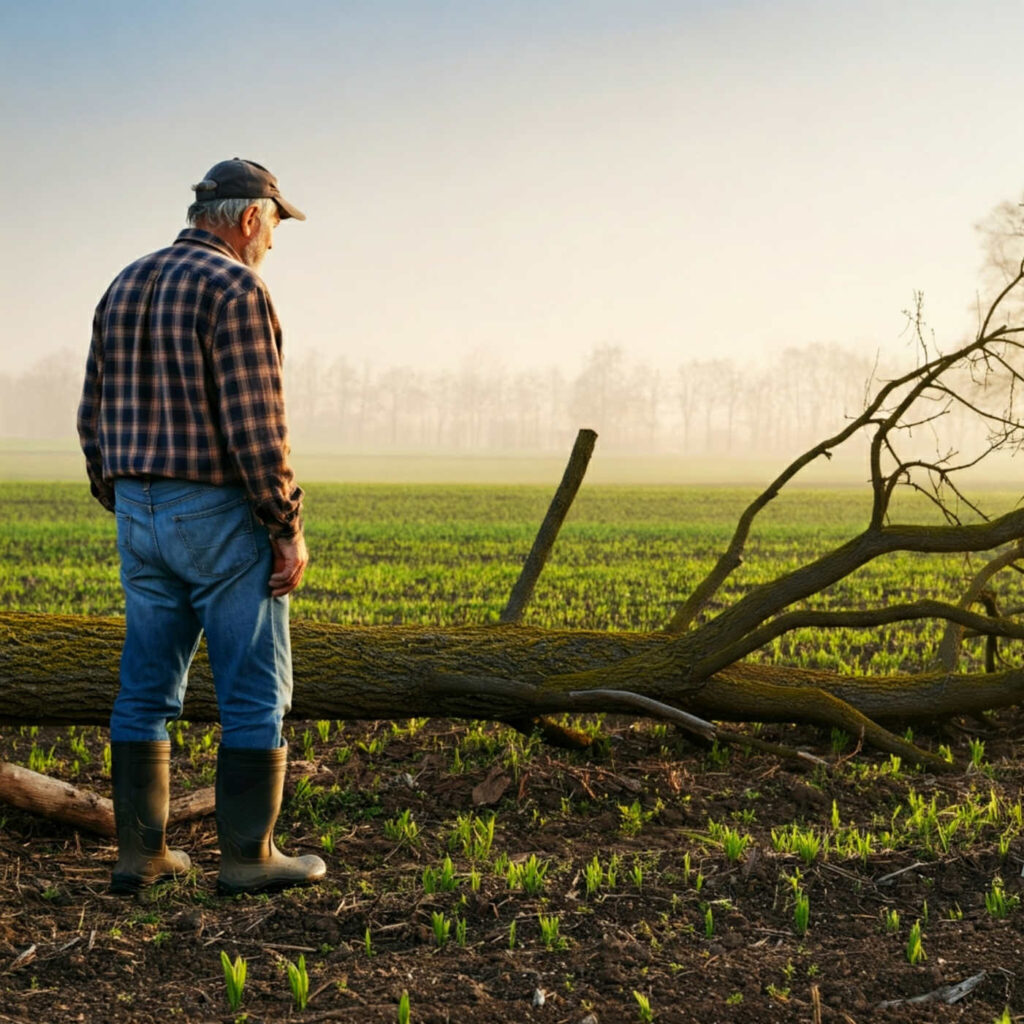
859 619
949 645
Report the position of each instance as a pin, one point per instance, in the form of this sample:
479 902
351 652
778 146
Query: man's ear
247 222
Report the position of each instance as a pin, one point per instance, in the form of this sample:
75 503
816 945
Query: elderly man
182 423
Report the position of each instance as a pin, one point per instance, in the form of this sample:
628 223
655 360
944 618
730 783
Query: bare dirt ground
700 936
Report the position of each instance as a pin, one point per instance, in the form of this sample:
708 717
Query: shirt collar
196 236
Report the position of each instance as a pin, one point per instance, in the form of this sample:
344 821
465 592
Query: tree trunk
63 669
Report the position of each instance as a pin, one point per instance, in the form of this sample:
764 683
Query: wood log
61 801
63 669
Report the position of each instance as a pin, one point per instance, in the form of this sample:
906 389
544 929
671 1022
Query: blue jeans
195 559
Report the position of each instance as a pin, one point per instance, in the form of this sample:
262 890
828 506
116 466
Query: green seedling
460 931
805 843
1005 842
308 750
440 879
512 935
403 1008
801 912
840 740
549 932
402 829
474 834
709 923
633 817
593 875
644 1007
298 982
733 843
367 942
637 874
442 928
977 751
997 903
611 875
915 948
891 920
528 875
234 979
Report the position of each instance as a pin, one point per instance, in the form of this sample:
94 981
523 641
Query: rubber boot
140 773
250 784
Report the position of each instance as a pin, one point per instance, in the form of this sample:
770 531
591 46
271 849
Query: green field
449 555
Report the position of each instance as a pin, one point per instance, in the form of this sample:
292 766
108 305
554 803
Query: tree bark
61 669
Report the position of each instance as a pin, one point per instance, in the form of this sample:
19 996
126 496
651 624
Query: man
182 423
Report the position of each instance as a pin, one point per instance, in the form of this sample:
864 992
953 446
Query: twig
948 994
886 879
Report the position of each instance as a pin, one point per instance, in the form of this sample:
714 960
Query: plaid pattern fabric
183 380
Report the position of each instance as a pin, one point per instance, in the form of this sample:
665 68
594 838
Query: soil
70 951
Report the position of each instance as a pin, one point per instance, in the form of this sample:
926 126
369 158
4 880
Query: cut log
61 801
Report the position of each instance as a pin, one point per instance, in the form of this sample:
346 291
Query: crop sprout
440 879
997 902
915 947
550 932
527 875
442 927
403 1008
298 982
234 979
403 829
643 1007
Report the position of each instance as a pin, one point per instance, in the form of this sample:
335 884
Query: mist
699 421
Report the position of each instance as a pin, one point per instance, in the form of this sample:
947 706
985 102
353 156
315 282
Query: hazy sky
520 181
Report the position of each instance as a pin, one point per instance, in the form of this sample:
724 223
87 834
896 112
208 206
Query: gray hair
225 213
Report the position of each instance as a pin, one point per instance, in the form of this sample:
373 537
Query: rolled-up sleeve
246 365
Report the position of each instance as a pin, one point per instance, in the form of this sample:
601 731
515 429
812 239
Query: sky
525 180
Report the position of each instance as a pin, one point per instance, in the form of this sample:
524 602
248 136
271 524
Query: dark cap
244 179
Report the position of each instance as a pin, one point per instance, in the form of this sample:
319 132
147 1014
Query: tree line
713 406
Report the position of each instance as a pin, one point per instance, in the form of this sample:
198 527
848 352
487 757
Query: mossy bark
61 669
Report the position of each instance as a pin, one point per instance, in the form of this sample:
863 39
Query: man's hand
290 558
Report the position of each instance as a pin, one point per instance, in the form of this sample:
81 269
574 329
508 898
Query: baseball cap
244 179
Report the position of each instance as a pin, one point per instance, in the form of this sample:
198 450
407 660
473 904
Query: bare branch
859 619
769 599
949 646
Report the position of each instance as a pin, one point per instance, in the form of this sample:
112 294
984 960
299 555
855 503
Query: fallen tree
62 669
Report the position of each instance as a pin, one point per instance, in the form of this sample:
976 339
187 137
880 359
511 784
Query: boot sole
128 885
226 889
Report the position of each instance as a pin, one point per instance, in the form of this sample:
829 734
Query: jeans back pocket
220 541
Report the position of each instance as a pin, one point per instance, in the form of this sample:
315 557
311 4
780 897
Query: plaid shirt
183 380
